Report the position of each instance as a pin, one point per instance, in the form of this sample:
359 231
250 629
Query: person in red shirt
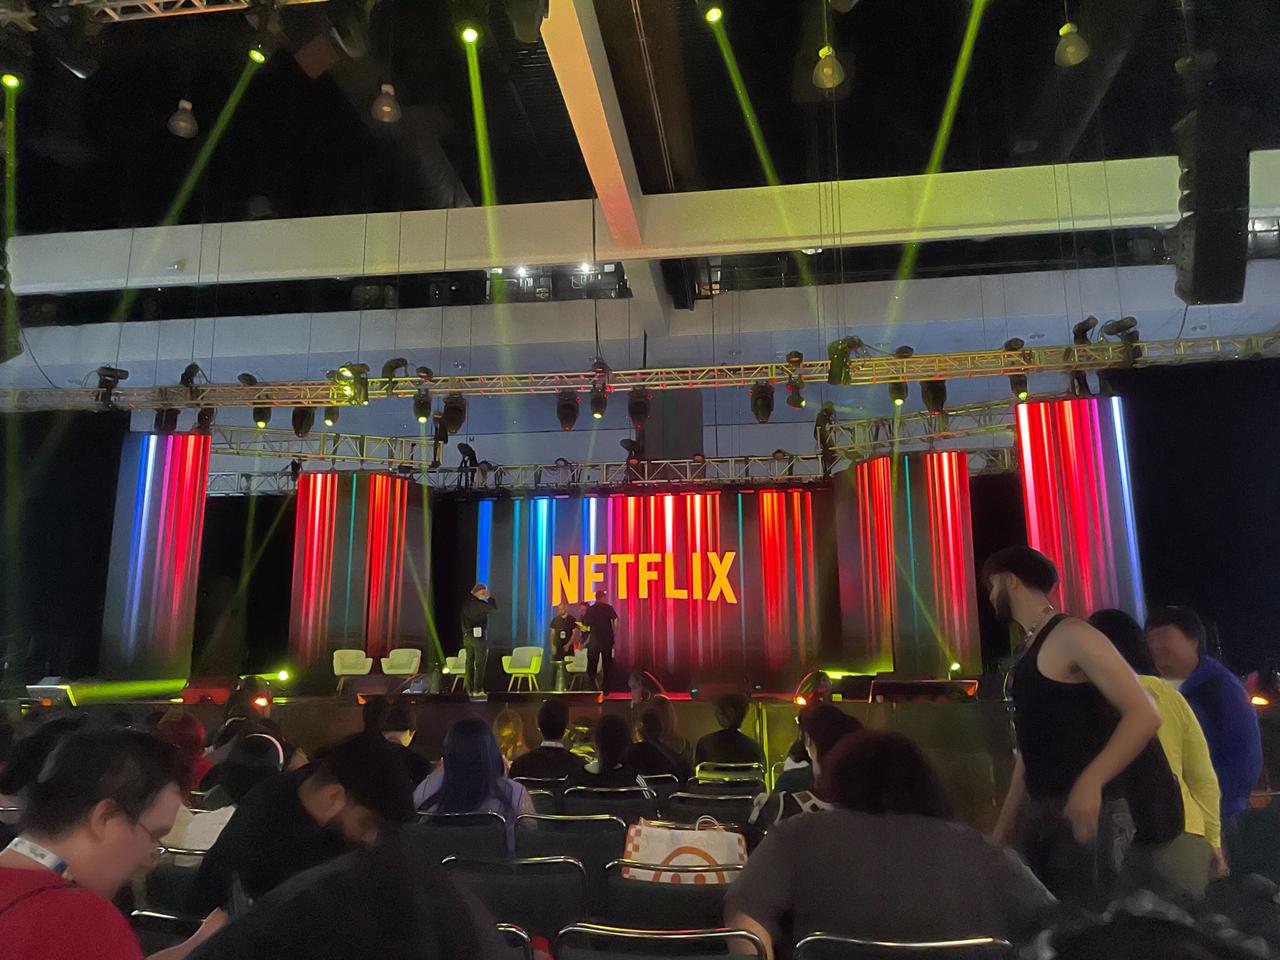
93 817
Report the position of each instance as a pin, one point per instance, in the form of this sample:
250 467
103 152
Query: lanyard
33 851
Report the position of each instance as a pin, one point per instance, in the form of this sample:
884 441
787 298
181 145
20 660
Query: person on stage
598 624
475 629
563 627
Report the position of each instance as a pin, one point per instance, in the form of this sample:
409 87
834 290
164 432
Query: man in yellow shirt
1191 860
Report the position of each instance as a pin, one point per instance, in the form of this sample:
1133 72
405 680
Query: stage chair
733 811
542 895
576 667
696 901
440 835
824 946
627 803
517 941
456 669
523 666
594 841
350 663
402 662
589 941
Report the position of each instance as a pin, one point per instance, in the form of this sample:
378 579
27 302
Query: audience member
671 735
642 686
1187 863
822 727
581 738
396 723
551 760
186 733
471 778
608 768
94 815
902 868
297 820
28 757
253 758
652 756
729 744
1177 639
508 730
388 902
1080 719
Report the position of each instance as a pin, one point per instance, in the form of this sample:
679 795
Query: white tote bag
707 845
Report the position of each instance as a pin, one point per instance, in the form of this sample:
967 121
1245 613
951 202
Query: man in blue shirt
1176 636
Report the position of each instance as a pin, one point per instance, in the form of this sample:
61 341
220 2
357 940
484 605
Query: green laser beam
484 154
13 430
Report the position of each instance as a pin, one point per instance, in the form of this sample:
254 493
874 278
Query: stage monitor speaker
1211 240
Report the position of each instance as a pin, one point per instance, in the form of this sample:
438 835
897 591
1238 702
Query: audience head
612 740
473 769
1177 639
553 719
651 725
508 728
103 801
357 787
822 726
1125 634
29 754
250 699
399 725
731 710
1015 572
877 772
254 757
185 732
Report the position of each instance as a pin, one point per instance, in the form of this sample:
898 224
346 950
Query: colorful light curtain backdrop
1079 501
719 586
155 556
361 563
907 590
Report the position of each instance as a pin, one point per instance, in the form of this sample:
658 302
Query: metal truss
120 11
863 370
251 484
17 13
860 439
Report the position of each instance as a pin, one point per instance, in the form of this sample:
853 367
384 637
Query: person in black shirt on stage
598 623
563 626
475 634
552 760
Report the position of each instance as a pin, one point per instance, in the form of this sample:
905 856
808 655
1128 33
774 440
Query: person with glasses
93 817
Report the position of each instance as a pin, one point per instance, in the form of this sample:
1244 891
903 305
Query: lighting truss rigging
863 371
119 11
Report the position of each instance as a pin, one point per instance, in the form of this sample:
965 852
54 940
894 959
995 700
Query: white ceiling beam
571 33
962 205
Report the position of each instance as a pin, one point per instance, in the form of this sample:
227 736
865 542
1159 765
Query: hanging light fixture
182 122
385 107
829 71
1072 49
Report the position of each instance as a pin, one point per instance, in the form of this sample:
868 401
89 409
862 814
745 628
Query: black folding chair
541 895
170 886
555 784
824 946
662 784
729 811
594 841
544 801
696 900
440 835
708 770
725 788
627 803
517 941
589 941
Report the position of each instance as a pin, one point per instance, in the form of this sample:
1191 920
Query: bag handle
706 822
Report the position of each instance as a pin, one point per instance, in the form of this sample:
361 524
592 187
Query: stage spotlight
11 81
838 353
108 379
248 379
1072 49
714 14
638 403
469 33
828 73
898 389
182 122
1080 332
261 417
567 409
1018 386
1126 330
762 402
454 412
795 395
189 374
353 378
390 369
422 405
166 420
304 418
1013 345
385 107
934 395
633 450
331 415
599 400
204 419
258 53
425 373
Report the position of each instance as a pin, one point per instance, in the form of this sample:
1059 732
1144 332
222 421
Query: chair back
402 661
349 662
824 946
732 809
170 887
663 784
542 895
440 835
545 802
710 770
627 803
589 941
694 899
525 658
517 942
725 788
594 841
553 784
578 662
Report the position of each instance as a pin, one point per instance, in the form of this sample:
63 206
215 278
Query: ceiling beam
571 33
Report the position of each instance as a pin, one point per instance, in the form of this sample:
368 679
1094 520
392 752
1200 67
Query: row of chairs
585 941
727 801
